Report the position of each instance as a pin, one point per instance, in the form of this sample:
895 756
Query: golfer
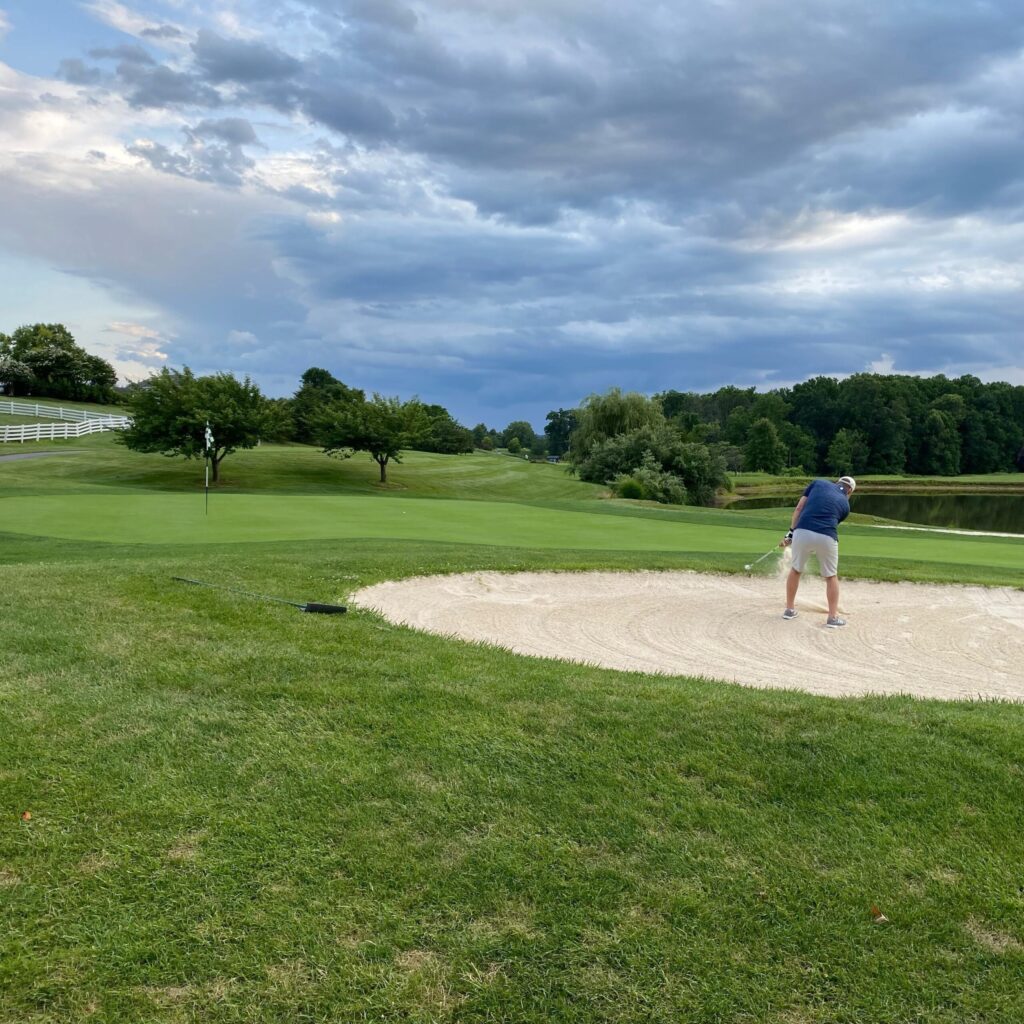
812 531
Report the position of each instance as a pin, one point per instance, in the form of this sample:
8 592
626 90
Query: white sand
950 642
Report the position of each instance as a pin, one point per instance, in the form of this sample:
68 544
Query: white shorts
807 543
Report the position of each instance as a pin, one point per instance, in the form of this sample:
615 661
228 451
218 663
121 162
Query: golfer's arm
796 512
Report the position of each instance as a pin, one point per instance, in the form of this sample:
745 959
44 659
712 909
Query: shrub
628 487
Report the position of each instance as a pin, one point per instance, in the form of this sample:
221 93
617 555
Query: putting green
250 518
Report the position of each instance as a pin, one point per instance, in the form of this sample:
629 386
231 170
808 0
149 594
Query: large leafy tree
559 427
940 444
605 416
764 449
318 389
444 434
521 430
58 367
848 452
169 413
383 427
15 375
695 471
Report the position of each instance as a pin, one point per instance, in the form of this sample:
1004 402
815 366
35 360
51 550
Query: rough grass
243 813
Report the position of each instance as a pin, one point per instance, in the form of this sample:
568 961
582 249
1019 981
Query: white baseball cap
849 482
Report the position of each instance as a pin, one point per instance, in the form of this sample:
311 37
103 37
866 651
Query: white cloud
243 339
5 25
116 15
134 331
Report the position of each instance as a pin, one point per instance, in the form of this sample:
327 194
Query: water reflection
1002 513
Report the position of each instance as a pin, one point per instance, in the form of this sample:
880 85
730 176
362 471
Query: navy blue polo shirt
827 506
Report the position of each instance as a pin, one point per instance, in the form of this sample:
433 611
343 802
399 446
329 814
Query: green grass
298 469
243 813
107 410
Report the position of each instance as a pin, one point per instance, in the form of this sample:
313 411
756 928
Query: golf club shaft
235 590
771 551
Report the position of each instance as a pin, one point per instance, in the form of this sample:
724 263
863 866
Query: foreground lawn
243 813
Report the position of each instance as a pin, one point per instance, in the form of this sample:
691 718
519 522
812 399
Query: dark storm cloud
75 72
237 60
213 151
130 53
161 158
663 106
220 160
161 86
162 32
233 131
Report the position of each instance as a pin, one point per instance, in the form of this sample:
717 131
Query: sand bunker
949 642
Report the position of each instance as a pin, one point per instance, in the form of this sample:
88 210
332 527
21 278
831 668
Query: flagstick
207 445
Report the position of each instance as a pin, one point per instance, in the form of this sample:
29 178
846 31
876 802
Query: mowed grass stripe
244 518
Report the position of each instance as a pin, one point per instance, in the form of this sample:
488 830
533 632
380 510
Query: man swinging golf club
812 531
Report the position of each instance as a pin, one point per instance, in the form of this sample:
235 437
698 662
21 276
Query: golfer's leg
832 593
792 583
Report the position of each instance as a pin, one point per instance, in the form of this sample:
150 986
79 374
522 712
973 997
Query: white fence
81 422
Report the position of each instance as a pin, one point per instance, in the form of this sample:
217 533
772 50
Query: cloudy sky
505 205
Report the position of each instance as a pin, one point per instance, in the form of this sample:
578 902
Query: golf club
309 606
750 565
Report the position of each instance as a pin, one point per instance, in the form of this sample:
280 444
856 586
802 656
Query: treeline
867 423
44 360
678 447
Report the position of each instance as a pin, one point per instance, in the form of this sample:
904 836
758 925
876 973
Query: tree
99 377
697 471
800 449
30 336
539 448
848 452
382 427
558 429
940 444
877 407
514 446
59 368
318 389
444 434
605 416
520 430
764 449
15 375
815 405
169 413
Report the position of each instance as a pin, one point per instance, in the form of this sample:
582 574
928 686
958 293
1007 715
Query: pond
1000 513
